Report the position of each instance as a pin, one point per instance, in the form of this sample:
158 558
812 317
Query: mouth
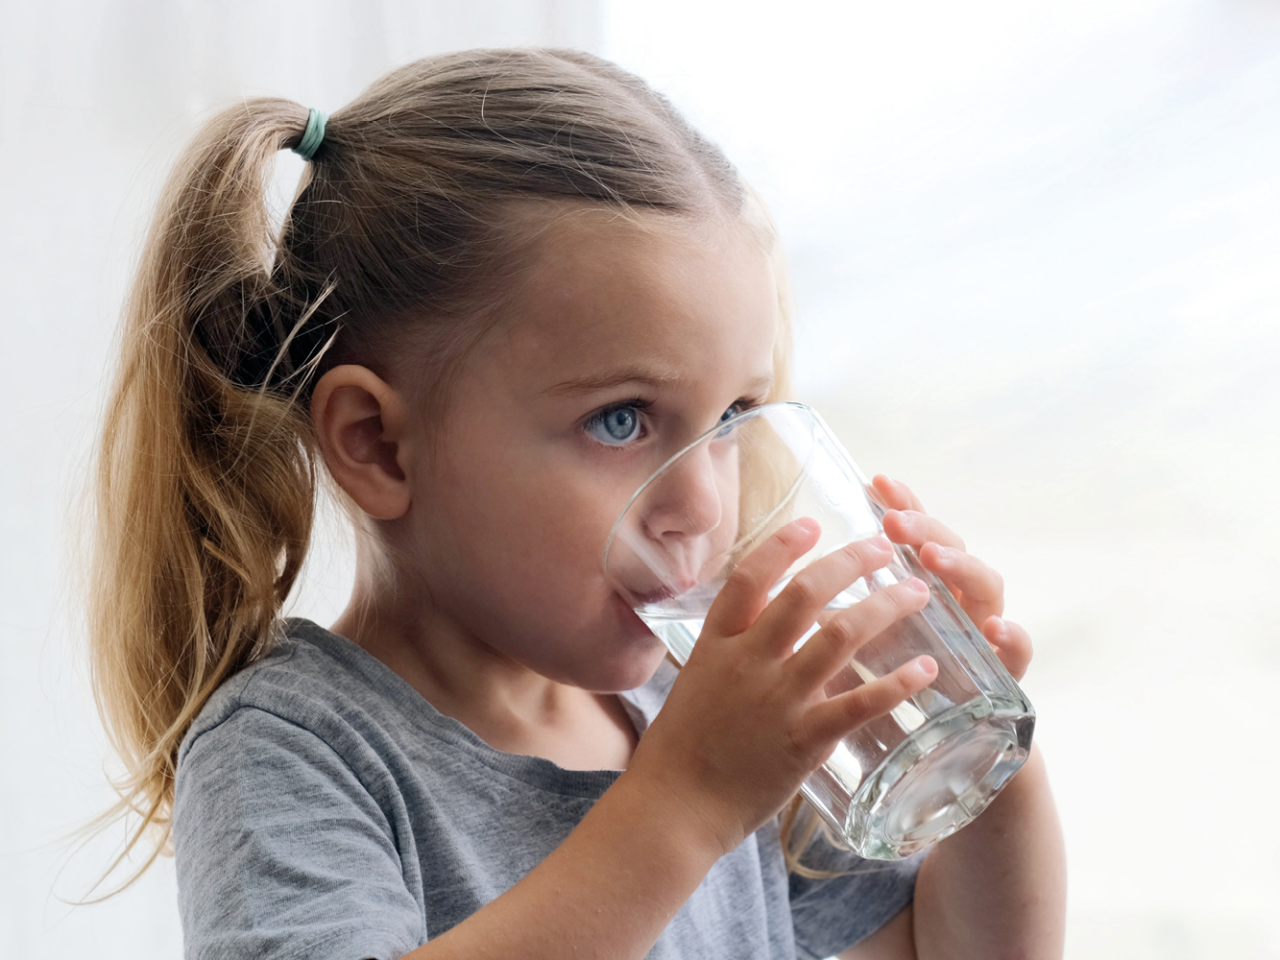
652 597
647 593
633 627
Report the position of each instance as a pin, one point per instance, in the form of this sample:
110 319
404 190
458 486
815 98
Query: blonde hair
207 470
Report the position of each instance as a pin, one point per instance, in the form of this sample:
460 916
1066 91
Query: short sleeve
833 913
282 853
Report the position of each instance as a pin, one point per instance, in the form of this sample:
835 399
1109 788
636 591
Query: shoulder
311 728
290 831
311 679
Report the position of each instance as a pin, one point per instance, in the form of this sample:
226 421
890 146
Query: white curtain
95 99
1036 249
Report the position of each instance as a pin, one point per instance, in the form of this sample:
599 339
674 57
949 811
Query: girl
511 284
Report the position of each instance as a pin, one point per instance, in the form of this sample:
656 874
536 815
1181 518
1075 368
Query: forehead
679 299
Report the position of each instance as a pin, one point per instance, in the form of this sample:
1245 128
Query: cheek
529 583
535 536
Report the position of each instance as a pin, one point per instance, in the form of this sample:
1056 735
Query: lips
633 628
652 597
676 586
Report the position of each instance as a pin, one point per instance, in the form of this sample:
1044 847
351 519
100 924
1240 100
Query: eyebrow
646 376
614 378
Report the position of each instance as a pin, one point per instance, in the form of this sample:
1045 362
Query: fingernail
881 543
945 554
918 585
999 625
926 666
808 524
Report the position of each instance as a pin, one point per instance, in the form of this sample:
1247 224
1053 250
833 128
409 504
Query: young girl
512 283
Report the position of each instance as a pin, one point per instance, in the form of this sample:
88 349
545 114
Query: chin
632 658
628 672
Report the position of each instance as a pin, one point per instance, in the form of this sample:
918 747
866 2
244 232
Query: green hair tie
313 136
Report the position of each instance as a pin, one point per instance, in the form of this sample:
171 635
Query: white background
1036 251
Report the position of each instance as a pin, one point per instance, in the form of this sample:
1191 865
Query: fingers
802 600
979 587
896 495
746 592
914 528
842 714
828 650
1012 645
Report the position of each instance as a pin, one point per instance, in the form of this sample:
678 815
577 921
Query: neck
506 704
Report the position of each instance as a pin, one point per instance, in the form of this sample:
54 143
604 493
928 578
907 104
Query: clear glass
903 781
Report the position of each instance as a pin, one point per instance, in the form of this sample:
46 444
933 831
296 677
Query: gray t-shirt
324 809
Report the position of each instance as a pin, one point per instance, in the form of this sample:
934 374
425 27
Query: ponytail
207 470
205 488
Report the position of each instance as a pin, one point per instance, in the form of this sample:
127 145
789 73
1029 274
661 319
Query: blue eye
616 426
734 410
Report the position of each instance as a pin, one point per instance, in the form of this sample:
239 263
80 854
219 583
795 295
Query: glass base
935 782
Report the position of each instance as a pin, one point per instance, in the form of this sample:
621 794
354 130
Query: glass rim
701 438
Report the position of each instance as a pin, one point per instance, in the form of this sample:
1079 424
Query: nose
688 499
683 520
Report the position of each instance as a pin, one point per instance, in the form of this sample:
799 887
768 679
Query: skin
481 586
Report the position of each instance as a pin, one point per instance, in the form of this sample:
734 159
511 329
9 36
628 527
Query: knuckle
794 744
853 706
790 537
879 698
799 741
903 686
856 549
855 710
841 632
747 579
904 599
864 556
804 592
890 693
852 554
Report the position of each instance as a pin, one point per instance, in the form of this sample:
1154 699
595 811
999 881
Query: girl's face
626 342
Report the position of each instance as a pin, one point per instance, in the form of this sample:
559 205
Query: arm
608 891
997 888
282 850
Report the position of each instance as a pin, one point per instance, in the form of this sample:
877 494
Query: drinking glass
899 782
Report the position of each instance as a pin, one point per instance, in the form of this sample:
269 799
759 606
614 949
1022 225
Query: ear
360 422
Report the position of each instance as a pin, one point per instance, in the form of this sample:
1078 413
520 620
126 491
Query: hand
748 720
978 588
